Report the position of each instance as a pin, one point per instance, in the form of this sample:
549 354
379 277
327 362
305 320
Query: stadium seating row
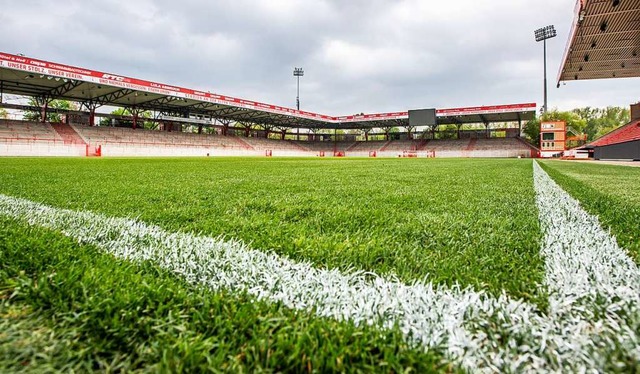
22 131
123 138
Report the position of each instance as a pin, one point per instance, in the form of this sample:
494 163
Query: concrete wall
58 149
42 150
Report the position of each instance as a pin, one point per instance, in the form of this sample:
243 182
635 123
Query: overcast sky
358 55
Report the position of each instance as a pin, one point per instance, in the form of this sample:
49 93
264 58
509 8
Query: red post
45 106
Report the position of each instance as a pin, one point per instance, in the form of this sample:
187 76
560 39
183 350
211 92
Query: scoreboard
553 138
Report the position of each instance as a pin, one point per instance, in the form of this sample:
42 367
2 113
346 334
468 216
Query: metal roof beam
110 98
588 50
159 101
614 13
593 62
63 89
600 33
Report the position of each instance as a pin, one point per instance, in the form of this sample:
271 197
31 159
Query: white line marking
593 313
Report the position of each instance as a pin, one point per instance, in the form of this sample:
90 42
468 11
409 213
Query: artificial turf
471 222
611 192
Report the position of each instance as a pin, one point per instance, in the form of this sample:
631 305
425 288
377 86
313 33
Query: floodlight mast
298 72
542 35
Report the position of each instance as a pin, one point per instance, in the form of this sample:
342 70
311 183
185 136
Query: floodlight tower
542 35
298 72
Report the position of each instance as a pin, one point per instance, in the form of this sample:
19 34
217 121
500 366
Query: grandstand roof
627 133
32 77
604 41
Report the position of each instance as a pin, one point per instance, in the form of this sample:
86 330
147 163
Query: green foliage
600 121
594 122
36 116
608 191
448 132
472 222
532 131
3 113
126 112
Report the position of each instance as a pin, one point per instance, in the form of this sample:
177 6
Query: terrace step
243 143
352 146
386 145
300 146
68 134
422 145
472 144
534 151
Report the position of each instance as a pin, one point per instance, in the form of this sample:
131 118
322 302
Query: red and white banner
495 109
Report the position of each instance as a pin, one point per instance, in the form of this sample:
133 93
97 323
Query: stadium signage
165 87
113 77
186 120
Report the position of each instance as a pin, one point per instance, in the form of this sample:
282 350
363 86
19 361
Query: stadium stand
498 144
366 147
22 138
627 133
404 145
22 131
278 146
620 144
122 135
29 139
120 141
206 111
501 147
328 147
68 134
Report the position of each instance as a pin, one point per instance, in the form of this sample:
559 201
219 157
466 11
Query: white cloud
359 55
359 61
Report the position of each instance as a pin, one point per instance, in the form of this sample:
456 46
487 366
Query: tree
601 121
590 115
3 113
449 132
611 119
36 116
126 112
532 131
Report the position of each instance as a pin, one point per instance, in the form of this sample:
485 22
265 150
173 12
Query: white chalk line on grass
591 325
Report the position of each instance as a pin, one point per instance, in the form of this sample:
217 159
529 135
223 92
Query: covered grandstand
605 43
239 126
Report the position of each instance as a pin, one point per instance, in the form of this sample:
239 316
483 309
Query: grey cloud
359 56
